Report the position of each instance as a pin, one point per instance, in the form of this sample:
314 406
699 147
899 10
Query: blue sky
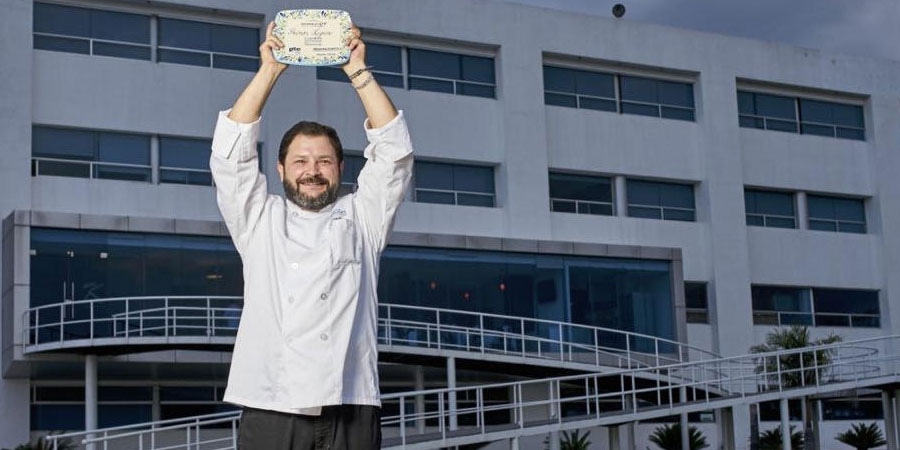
858 27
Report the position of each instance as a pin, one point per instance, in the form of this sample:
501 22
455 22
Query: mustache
314 179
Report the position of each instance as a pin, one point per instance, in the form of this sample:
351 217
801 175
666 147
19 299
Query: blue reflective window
860 408
846 307
832 119
778 112
695 301
840 214
579 89
70 29
210 45
778 305
769 208
353 164
660 200
581 194
454 184
451 73
55 417
386 62
90 154
119 415
650 97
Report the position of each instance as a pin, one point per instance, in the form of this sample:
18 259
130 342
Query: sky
856 27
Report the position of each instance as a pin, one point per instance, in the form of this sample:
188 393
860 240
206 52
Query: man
305 362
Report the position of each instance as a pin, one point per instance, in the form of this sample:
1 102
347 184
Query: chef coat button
294 265
323 337
291 299
323 296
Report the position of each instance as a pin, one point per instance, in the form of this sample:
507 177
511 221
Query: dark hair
312 129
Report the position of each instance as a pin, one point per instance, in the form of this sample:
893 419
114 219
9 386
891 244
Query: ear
281 171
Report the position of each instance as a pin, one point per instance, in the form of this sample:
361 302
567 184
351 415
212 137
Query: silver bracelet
364 83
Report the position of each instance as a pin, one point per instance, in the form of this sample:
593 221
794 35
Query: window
695 302
55 408
427 70
386 62
769 209
91 31
771 411
636 95
90 154
581 194
845 215
825 307
657 200
860 408
454 184
352 165
126 35
184 161
775 305
208 45
778 112
846 308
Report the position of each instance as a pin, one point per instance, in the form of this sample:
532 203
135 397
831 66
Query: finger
354 43
356 31
269 29
277 42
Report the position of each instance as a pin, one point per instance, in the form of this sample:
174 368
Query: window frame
618 99
455 192
93 165
587 203
662 209
763 317
766 216
837 223
798 120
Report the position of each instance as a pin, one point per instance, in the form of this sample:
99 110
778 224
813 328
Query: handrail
405 325
575 400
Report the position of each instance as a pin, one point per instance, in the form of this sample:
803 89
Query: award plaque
313 37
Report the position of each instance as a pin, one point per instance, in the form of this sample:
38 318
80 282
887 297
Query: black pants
340 427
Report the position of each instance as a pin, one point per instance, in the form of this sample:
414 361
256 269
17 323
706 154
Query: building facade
693 187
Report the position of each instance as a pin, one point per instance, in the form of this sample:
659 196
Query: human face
311 173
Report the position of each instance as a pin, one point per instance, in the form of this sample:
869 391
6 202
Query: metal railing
577 401
819 319
112 320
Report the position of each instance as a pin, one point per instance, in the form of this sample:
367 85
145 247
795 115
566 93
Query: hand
267 59
357 52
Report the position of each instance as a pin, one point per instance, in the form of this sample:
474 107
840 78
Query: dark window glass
121 51
638 89
186 393
475 90
597 104
852 409
676 200
640 109
695 301
58 394
454 177
775 106
559 79
235 63
119 415
123 148
848 307
836 214
125 393
50 417
384 58
478 68
184 152
181 57
595 84
236 40
59 19
353 164
62 143
117 26
434 64
762 205
746 103
774 305
829 118
580 187
771 411
423 84
675 94
184 34
62 44
560 100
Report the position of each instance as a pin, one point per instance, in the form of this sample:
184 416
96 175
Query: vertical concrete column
785 425
420 399
683 421
451 383
90 395
614 438
155 413
154 159
890 420
514 443
817 422
621 196
802 222
551 395
726 428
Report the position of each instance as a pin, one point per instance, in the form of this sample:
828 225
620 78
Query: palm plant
812 363
668 437
862 436
771 439
572 441
43 444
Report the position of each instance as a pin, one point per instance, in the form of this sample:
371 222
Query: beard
311 202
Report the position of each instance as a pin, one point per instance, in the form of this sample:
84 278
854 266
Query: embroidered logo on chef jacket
346 247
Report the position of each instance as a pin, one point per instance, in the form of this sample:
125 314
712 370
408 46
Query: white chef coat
308 331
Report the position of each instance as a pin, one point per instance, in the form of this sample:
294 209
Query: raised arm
377 104
384 178
240 188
